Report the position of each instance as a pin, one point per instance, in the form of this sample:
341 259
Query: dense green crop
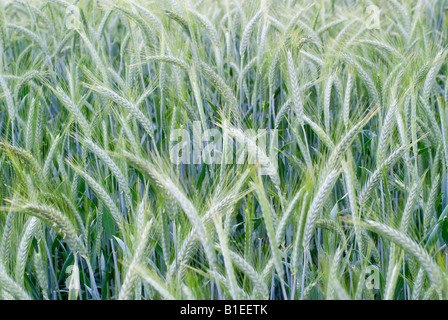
132 164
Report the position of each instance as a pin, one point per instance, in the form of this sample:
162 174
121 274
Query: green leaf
108 223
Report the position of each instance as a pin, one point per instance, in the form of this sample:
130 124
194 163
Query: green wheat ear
96 96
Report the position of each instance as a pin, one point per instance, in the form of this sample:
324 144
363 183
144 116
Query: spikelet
410 204
412 248
348 89
183 202
316 207
22 252
247 31
294 89
50 155
11 287
73 109
56 220
131 275
253 275
376 175
12 112
121 179
132 108
327 96
104 196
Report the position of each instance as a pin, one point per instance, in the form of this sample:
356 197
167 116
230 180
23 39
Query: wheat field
120 176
